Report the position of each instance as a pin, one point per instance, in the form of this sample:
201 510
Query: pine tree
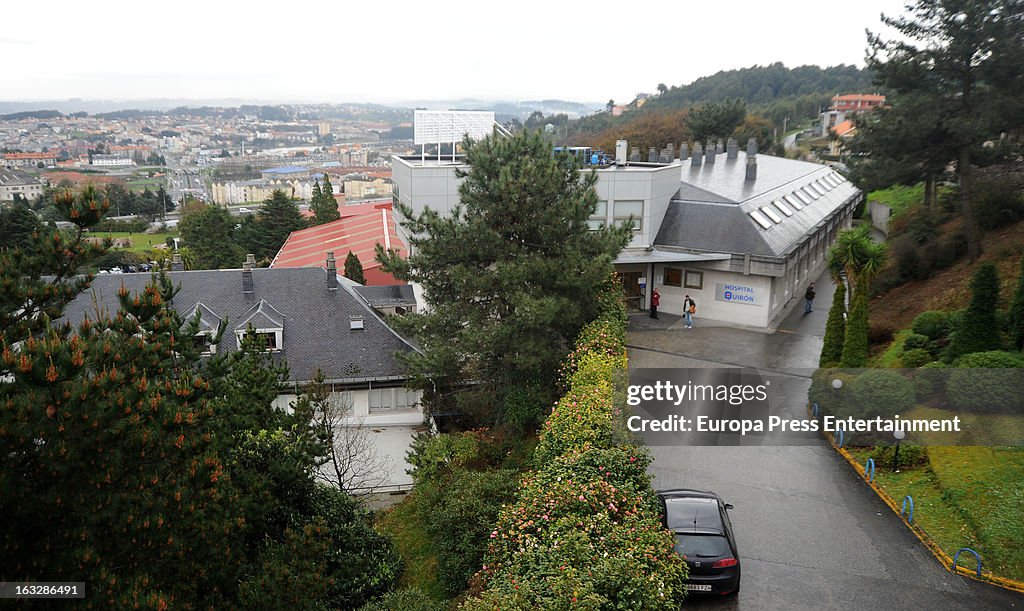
354 268
855 341
323 204
979 331
961 58
210 234
277 219
511 274
835 329
1016 314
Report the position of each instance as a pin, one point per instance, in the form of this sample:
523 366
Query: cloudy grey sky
304 50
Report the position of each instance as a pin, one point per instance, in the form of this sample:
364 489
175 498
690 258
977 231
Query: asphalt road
811 535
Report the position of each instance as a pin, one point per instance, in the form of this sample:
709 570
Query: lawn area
405 527
140 184
140 241
899 197
966 496
891 357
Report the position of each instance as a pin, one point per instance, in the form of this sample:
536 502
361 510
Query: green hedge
585 531
987 382
933 324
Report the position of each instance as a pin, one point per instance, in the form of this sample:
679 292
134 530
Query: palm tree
861 259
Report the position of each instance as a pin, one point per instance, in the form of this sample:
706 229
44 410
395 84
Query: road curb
944 559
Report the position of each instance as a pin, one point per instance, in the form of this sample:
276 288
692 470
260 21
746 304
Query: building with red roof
360 228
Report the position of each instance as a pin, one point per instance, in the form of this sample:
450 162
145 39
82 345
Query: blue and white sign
738 293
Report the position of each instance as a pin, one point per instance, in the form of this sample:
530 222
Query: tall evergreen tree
17 224
210 234
277 219
354 268
1016 314
512 273
979 330
323 204
962 58
860 258
835 326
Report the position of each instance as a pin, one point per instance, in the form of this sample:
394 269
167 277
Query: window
771 214
816 189
759 218
599 218
392 398
694 280
823 184
271 338
782 208
803 197
793 202
623 209
673 276
203 342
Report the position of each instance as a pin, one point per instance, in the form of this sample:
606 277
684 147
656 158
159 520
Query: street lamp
899 435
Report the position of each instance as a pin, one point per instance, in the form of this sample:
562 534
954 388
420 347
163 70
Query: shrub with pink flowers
585 531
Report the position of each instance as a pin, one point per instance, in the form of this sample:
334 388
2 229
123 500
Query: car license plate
698 587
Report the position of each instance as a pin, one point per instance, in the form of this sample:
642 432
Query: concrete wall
880 214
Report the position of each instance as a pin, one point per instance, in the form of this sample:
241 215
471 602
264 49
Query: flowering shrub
585 531
584 415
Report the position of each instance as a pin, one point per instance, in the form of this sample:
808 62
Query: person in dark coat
809 299
655 302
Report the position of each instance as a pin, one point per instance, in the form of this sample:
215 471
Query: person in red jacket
655 302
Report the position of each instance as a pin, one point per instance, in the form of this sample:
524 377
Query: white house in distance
741 233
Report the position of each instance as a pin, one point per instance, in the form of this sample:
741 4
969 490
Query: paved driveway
811 535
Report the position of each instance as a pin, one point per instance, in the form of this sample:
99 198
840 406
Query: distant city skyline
308 52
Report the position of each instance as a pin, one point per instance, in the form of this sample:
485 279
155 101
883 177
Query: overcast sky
367 51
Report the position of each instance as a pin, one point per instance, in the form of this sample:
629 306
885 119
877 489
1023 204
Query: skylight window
824 185
771 214
809 192
803 197
760 220
815 190
794 202
783 207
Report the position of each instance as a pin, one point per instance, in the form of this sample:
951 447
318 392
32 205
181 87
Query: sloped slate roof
711 210
208 320
316 320
379 296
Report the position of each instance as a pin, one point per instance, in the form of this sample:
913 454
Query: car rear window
702 546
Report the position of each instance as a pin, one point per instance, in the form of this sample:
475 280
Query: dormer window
266 322
209 326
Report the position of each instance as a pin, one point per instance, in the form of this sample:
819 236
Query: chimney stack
250 260
709 154
732 149
698 155
751 159
634 154
719 148
652 155
684 151
177 265
332 272
621 149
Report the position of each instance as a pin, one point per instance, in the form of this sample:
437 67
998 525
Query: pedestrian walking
655 302
689 309
809 299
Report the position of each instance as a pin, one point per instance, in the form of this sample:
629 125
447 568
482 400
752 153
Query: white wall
707 305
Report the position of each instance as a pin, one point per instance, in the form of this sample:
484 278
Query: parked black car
704 538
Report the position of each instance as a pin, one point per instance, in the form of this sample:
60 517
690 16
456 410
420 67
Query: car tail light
724 563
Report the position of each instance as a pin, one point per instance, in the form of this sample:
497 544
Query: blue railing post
966 549
840 440
814 410
910 516
869 470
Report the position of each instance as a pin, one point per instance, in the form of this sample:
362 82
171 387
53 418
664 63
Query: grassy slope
404 526
949 289
140 241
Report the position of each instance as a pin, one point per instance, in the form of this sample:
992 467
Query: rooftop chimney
652 155
250 260
751 159
671 148
177 265
719 148
709 154
634 154
332 272
684 152
621 148
698 155
732 149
